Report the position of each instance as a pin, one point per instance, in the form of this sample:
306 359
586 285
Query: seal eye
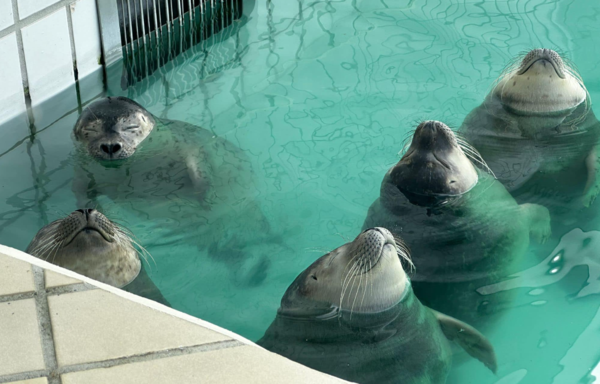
132 127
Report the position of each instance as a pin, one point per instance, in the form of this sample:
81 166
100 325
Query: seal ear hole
452 181
314 277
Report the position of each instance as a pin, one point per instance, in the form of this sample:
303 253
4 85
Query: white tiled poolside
60 327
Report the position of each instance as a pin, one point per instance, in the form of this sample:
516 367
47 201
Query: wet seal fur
352 314
179 178
88 243
463 227
537 132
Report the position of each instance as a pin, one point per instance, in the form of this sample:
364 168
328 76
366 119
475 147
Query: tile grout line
23 65
52 291
23 376
72 38
16 297
20 24
70 288
45 325
149 356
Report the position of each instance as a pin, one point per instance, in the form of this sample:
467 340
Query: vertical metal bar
169 11
130 26
201 23
180 26
144 51
157 20
191 13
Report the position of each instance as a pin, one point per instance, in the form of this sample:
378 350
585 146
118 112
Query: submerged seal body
188 183
464 229
538 134
352 314
88 243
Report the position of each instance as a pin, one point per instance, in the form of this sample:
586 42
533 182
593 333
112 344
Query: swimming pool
321 97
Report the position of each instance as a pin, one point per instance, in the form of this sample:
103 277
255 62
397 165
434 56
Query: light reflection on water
321 97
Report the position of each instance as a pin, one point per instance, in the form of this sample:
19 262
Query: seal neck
344 326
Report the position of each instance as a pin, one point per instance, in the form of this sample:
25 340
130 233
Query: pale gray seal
538 134
352 314
180 179
88 243
464 229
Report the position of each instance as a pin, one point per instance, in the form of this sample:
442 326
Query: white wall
44 45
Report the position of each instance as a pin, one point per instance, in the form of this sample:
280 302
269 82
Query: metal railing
154 32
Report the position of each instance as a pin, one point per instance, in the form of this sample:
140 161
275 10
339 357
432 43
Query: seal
538 134
88 243
181 180
464 228
352 314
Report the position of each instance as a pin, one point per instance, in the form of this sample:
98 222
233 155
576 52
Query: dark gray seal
179 179
352 314
538 134
88 243
463 227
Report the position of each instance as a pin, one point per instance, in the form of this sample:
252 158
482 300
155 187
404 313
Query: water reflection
576 248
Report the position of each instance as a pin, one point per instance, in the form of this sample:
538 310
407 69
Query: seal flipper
470 339
539 221
198 176
592 185
143 286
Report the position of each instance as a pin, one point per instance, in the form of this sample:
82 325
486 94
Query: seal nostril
105 148
79 210
116 148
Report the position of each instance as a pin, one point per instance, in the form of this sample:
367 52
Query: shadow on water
320 97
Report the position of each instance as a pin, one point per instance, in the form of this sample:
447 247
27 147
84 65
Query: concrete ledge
57 326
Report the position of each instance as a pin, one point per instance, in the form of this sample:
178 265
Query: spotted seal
464 228
181 180
538 134
88 243
353 314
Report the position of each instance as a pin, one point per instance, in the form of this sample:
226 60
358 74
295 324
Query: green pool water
321 95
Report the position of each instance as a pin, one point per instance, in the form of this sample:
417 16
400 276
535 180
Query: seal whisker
356 294
346 282
350 277
57 248
406 142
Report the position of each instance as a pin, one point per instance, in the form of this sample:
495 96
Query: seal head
88 243
363 276
112 128
434 168
541 91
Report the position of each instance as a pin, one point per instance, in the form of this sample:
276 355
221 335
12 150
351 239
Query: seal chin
543 85
434 168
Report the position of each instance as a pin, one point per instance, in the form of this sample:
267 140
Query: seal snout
387 236
542 57
88 221
111 149
432 134
371 245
